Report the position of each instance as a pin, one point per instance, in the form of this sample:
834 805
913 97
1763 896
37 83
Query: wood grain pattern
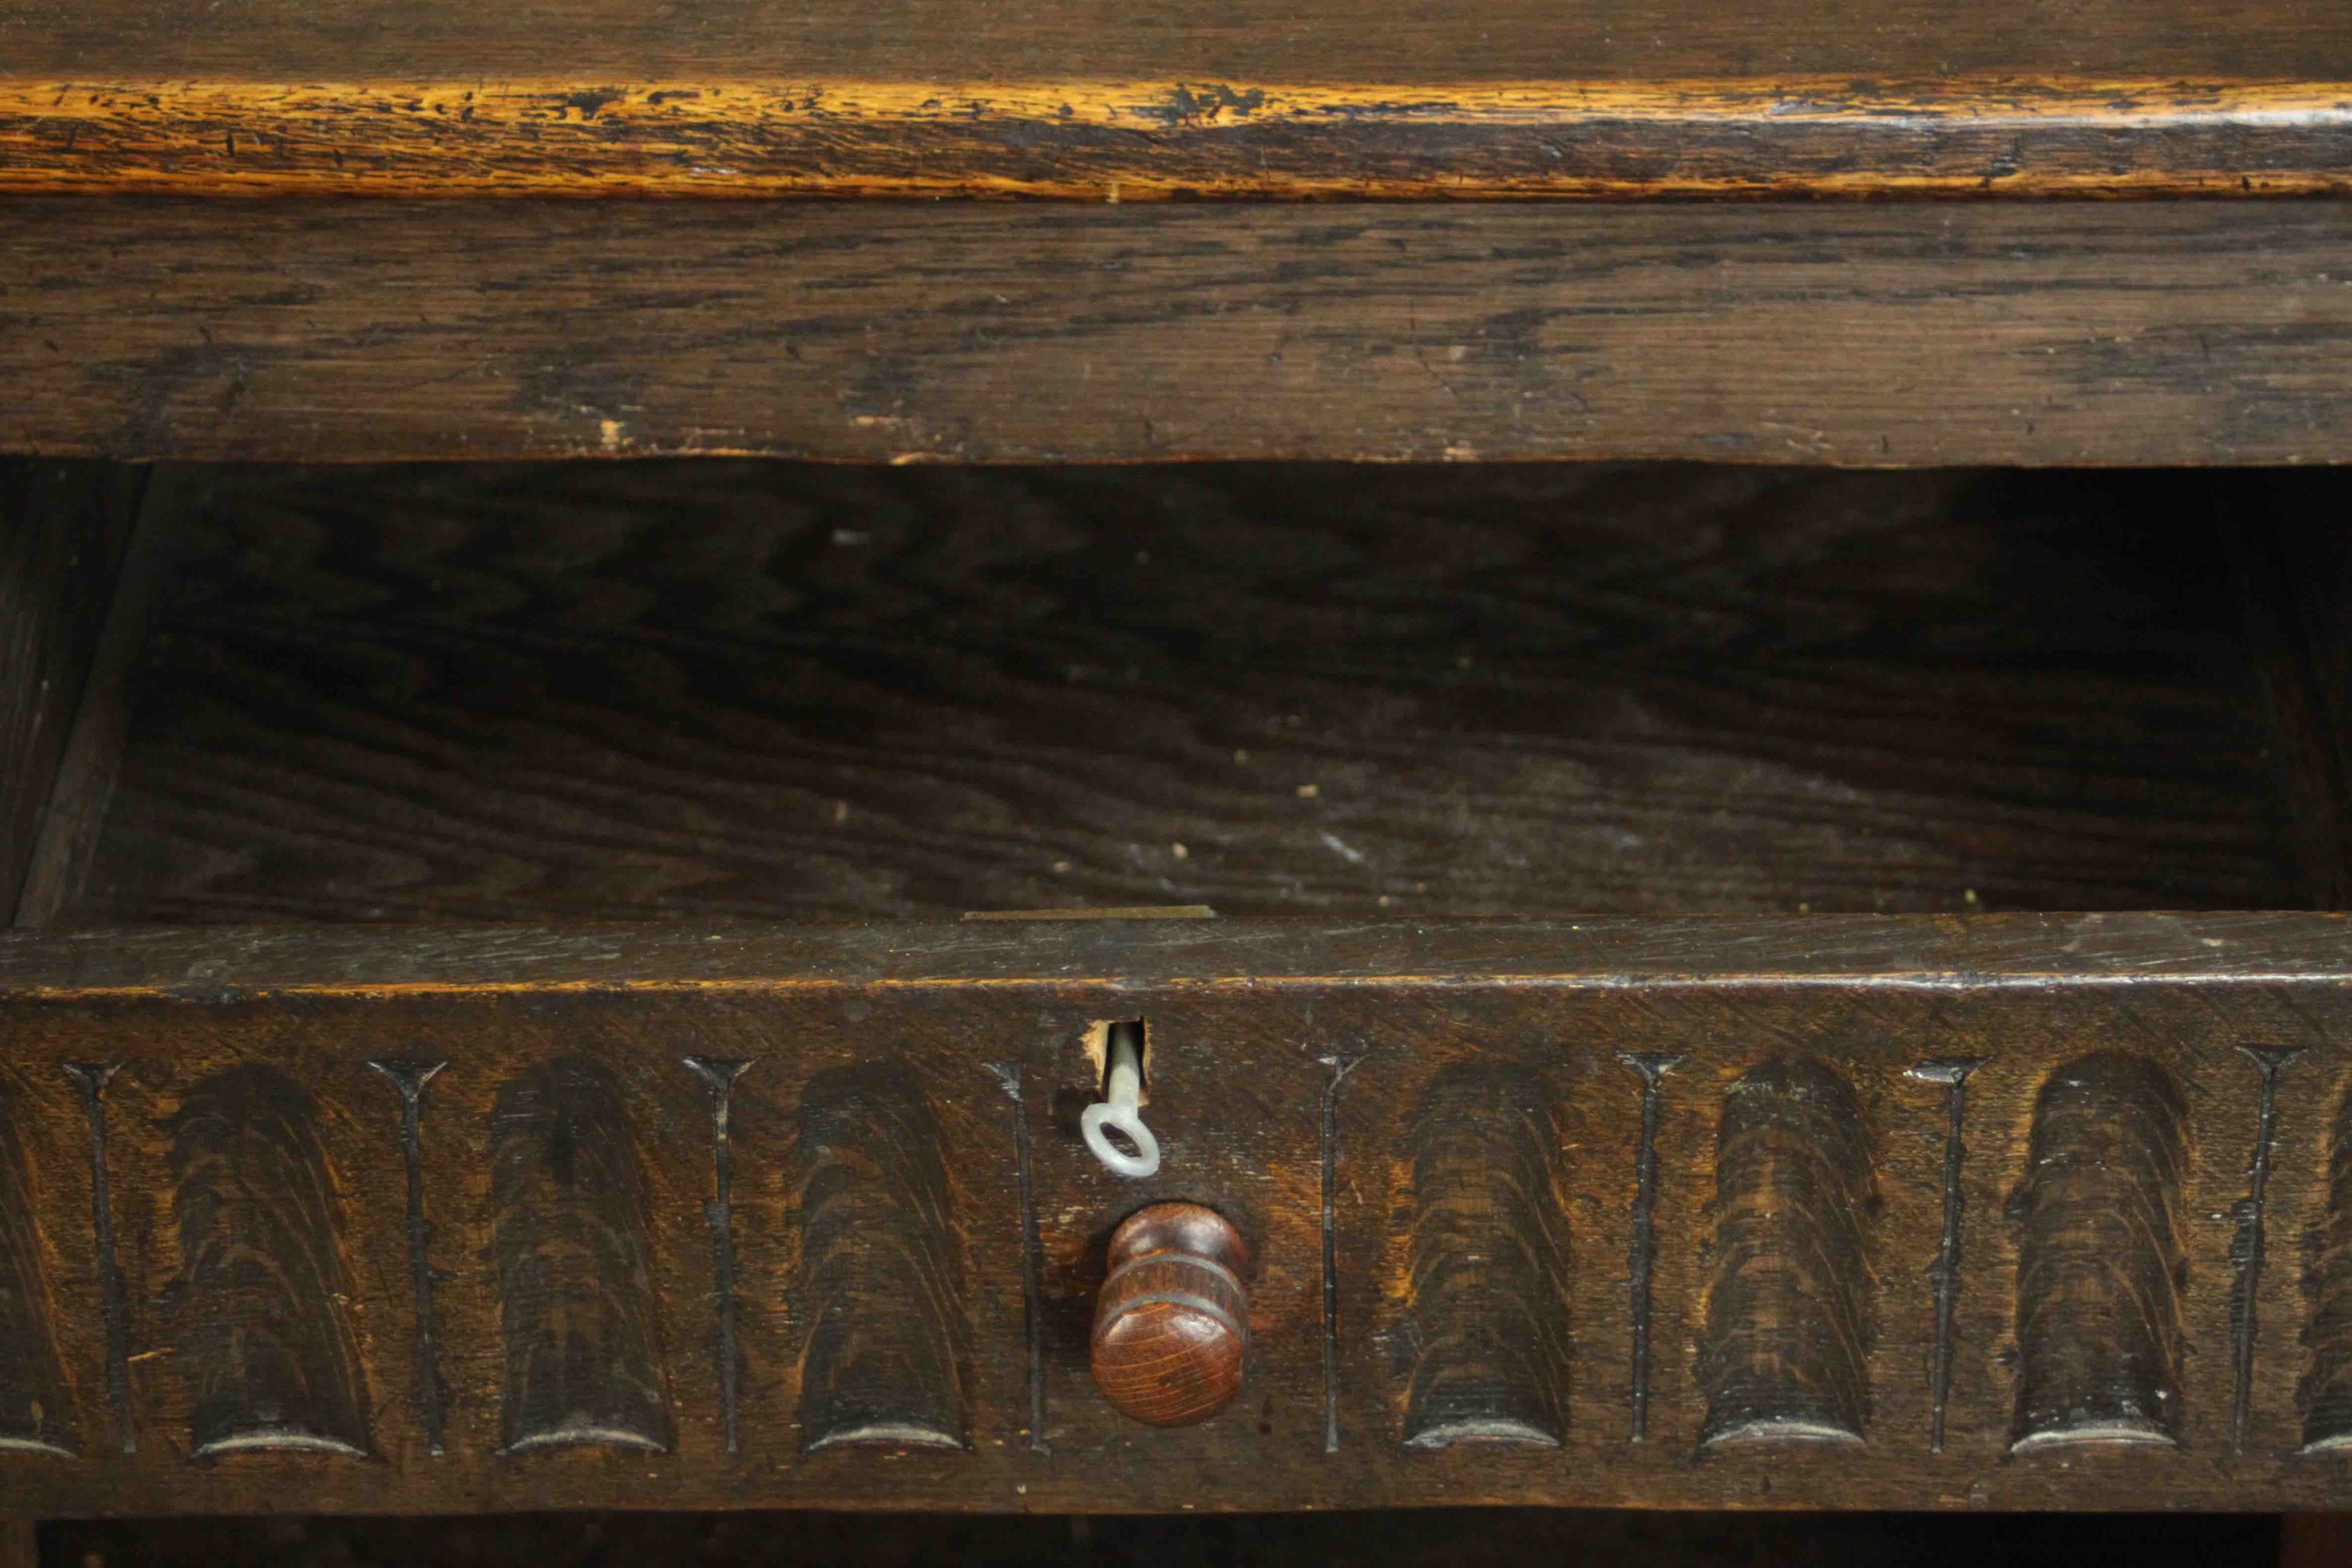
81 789
1091 139
1383 41
36 1409
578 1308
1170 1345
1241 1012
2101 1261
2059 333
1786 1352
753 690
266 1341
1489 1262
2325 1394
1083 96
63 529
880 1284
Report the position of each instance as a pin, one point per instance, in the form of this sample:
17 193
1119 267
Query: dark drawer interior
740 689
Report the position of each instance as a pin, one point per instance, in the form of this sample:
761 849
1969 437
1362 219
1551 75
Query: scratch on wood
1785 1355
718 1074
1488 1261
1641 1253
92 1079
2246 1248
408 1077
266 1346
577 1307
883 1363
1032 1253
1944 1273
1340 1068
2100 1261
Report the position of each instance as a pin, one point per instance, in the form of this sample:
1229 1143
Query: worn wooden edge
1956 951
1154 140
2077 332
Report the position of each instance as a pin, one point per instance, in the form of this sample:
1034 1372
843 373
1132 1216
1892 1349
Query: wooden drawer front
2130 1277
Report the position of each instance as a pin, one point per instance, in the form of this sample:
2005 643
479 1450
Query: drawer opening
748 690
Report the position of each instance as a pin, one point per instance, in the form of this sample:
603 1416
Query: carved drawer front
2008 1212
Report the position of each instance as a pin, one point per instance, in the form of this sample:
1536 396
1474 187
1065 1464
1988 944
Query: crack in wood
1944 1273
718 1074
408 1076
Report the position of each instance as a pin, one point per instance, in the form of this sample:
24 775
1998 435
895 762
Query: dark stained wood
1490 1256
1784 1355
81 789
2057 333
263 1290
2326 1392
936 42
63 527
1240 1014
881 1285
2101 1263
1419 1538
616 691
2291 558
1170 1345
579 1310
35 1409
2314 1540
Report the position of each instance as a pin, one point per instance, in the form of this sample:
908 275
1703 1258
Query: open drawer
1695 986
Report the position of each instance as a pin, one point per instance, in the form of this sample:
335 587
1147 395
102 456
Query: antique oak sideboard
865 960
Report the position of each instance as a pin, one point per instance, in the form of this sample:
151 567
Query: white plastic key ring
1123 1083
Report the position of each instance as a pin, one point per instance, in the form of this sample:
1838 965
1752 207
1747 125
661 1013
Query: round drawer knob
1172 1326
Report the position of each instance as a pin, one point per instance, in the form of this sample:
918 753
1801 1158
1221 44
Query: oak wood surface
2066 333
1800 133
255 1044
1113 98
755 690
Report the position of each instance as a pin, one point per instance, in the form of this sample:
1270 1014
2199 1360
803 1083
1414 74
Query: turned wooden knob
1172 1326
